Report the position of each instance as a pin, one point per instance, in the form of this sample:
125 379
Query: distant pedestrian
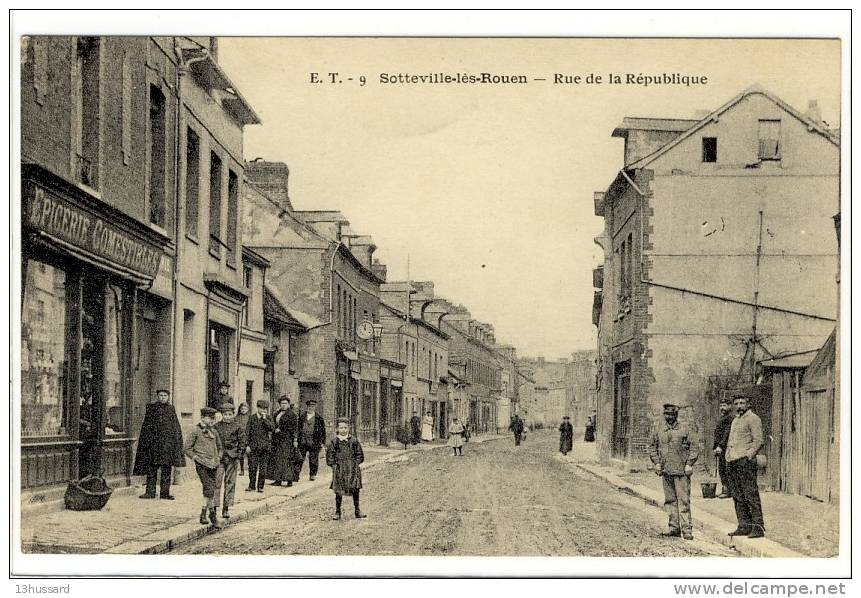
416 427
259 434
427 428
242 422
566 435
312 438
222 396
344 455
455 436
743 446
159 446
282 463
233 443
673 451
467 431
721 438
516 427
203 446
590 430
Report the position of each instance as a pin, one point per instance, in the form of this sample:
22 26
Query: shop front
85 265
391 415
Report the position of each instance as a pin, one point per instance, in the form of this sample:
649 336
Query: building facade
718 252
104 241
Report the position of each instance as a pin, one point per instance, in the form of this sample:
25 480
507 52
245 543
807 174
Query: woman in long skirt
455 436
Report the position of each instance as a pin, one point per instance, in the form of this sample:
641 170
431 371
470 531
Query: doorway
219 361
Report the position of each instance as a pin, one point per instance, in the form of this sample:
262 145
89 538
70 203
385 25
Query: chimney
379 269
271 178
541 362
813 111
213 48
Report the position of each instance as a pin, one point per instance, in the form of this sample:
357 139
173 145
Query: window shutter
126 109
40 68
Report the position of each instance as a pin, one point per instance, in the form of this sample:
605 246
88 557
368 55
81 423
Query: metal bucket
708 489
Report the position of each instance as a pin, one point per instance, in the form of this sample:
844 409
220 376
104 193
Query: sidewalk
807 528
128 525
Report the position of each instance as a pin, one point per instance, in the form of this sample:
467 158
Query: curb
171 538
713 527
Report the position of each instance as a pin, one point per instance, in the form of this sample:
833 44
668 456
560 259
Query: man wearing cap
721 438
259 435
159 445
745 441
312 437
233 444
673 452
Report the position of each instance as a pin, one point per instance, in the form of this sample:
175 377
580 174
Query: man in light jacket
745 441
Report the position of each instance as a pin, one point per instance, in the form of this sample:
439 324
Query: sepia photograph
413 295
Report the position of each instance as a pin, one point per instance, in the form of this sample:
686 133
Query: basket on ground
87 494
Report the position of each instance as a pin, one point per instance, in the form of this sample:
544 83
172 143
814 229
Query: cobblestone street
496 500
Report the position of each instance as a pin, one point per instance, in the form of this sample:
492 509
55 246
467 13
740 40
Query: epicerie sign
54 216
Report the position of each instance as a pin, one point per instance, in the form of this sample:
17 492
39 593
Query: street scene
428 297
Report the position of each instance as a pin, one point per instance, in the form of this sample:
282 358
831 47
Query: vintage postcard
427 296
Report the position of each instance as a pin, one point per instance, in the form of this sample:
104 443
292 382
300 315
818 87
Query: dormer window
769 140
709 149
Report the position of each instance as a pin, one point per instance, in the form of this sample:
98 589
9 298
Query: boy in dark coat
259 434
282 462
159 446
566 435
344 455
233 443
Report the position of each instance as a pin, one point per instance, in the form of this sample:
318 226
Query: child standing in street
344 455
203 446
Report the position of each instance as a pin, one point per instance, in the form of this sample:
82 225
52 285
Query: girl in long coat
566 436
455 436
344 455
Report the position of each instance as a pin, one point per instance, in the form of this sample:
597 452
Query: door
621 407
443 421
384 411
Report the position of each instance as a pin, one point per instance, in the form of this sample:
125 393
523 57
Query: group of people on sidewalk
276 446
738 440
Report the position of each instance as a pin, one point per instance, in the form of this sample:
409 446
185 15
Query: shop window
114 362
156 156
192 182
214 204
44 358
86 90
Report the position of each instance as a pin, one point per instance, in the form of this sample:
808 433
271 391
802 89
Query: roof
321 216
636 123
398 313
252 256
209 73
274 308
812 125
820 374
794 361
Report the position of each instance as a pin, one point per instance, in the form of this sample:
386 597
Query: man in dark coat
416 428
282 463
516 426
312 437
566 435
721 438
259 434
159 446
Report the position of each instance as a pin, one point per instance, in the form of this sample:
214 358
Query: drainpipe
181 71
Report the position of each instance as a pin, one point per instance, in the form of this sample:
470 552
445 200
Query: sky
486 190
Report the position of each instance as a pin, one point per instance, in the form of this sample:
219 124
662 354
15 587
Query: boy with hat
259 435
159 446
312 437
233 443
344 455
673 451
203 446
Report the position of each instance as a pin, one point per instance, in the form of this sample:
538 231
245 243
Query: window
214 204
114 362
86 106
232 203
339 310
709 149
44 359
192 182
40 67
247 281
156 156
769 140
